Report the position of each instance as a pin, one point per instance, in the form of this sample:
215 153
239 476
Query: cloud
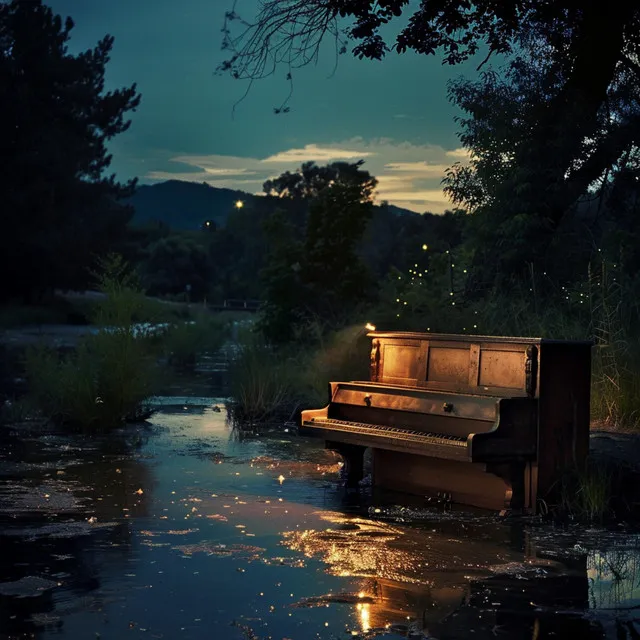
423 169
317 154
409 175
459 154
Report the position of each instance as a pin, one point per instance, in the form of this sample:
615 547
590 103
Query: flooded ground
178 530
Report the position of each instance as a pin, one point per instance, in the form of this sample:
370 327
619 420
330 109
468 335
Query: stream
178 529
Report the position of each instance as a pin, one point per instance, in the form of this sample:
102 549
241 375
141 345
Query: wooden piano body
487 421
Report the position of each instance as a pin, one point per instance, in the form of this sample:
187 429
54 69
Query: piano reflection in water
491 422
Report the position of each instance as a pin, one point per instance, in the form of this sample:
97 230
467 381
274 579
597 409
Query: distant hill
187 205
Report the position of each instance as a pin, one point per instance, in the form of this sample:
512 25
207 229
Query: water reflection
614 574
194 535
64 510
463 575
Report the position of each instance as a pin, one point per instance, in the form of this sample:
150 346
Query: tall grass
184 341
273 385
340 355
106 380
587 494
261 385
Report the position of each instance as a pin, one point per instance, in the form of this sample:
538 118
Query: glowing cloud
317 154
409 175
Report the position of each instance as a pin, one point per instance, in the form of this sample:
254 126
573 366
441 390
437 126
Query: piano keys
489 421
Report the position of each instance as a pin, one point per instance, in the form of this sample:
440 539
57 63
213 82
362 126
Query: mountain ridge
184 205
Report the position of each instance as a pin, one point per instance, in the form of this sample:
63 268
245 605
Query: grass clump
107 379
587 494
261 385
274 385
341 355
184 341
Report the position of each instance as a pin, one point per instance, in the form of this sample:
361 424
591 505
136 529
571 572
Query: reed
586 494
261 386
184 341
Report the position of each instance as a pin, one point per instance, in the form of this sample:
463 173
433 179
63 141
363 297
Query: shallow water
180 531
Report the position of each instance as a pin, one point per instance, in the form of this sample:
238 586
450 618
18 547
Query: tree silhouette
571 126
58 210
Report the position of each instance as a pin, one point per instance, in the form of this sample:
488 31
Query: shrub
586 494
184 341
106 380
261 386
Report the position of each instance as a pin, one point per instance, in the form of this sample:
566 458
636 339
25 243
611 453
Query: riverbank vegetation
107 378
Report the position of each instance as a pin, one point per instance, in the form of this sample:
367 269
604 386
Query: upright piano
486 421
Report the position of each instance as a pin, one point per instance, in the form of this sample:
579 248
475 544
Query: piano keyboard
415 437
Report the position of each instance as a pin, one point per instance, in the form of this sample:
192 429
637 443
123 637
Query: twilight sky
394 114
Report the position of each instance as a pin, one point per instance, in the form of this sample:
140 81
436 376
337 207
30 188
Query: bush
184 341
586 494
261 386
107 379
341 356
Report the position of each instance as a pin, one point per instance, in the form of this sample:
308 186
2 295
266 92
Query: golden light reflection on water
405 573
365 616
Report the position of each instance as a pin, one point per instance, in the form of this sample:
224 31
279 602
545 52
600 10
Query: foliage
16 410
586 494
310 180
106 380
531 165
176 261
273 384
338 355
185 340
589 37
261 386
55 122
557 122
317 273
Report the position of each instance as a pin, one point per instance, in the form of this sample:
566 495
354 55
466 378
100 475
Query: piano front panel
476 365
448 364
502 368
402 361
429 404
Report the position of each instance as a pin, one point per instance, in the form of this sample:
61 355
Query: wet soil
178 529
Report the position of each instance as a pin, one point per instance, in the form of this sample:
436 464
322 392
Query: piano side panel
564 413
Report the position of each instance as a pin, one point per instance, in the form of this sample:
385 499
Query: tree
527 178
316 272
570 127
59 210
176 262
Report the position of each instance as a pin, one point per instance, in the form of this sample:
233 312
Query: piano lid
464 337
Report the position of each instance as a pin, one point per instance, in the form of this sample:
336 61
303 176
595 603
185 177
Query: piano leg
517 499
353 456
